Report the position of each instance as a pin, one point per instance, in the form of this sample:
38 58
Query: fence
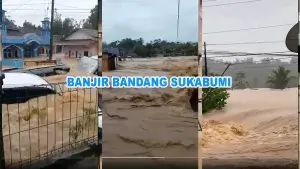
41 125
15 63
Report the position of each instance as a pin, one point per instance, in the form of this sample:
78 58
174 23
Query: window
7 53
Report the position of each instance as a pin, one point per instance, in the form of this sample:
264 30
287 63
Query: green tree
155 47
279 79
63 26
29 25
92 21
240 81
213 98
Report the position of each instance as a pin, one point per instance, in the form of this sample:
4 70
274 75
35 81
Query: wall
92 49
13 63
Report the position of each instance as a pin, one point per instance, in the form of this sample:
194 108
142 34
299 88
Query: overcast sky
35 10
149 19
248 15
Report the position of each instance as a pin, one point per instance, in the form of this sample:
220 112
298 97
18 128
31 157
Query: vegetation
257 72
240 81
213 98
65 26
88 120
280 78
35 111
157 47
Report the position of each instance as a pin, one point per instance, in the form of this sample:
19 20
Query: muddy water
265 131
146 122
148 129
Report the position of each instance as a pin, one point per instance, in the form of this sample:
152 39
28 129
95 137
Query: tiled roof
111 50
93 33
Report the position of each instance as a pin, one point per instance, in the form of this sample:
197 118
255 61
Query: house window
7 53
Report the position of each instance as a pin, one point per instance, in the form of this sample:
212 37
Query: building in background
81 42
19 43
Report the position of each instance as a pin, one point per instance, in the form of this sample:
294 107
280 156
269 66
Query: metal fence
48 125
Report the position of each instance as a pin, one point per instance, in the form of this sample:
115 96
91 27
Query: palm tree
279 78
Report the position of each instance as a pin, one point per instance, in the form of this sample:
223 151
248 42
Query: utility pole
200 98
51 31
178 14
205 61
2 160
99 36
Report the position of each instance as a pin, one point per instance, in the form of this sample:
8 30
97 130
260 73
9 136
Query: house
20 43
109 61
81 42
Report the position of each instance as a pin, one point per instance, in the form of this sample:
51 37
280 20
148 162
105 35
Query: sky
260 13
155 19
35 10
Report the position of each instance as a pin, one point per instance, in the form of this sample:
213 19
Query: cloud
149 20
249 15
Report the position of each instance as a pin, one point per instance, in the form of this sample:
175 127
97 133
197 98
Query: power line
231 54
256 62
33 4
247 29
20 6
257 55
63 12
284 64
30 9
245 43
232 3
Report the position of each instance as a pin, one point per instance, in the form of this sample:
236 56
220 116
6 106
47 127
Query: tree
240 81
29 25
63 27
92 21
213 98
279 79
155 47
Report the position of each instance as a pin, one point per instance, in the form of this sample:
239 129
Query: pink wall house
81 42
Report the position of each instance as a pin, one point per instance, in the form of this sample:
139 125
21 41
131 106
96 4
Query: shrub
35 111
214 98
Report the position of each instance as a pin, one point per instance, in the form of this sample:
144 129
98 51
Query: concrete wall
92 50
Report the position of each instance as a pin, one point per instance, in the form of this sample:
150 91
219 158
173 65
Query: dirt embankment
257 124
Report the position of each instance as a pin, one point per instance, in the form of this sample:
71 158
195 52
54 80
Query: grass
85 123
35 111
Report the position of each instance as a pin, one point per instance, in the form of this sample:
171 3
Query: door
16 54
86 53
69 53
76 54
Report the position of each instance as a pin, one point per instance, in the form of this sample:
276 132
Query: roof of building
14 30
16 80
90 32
111 50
